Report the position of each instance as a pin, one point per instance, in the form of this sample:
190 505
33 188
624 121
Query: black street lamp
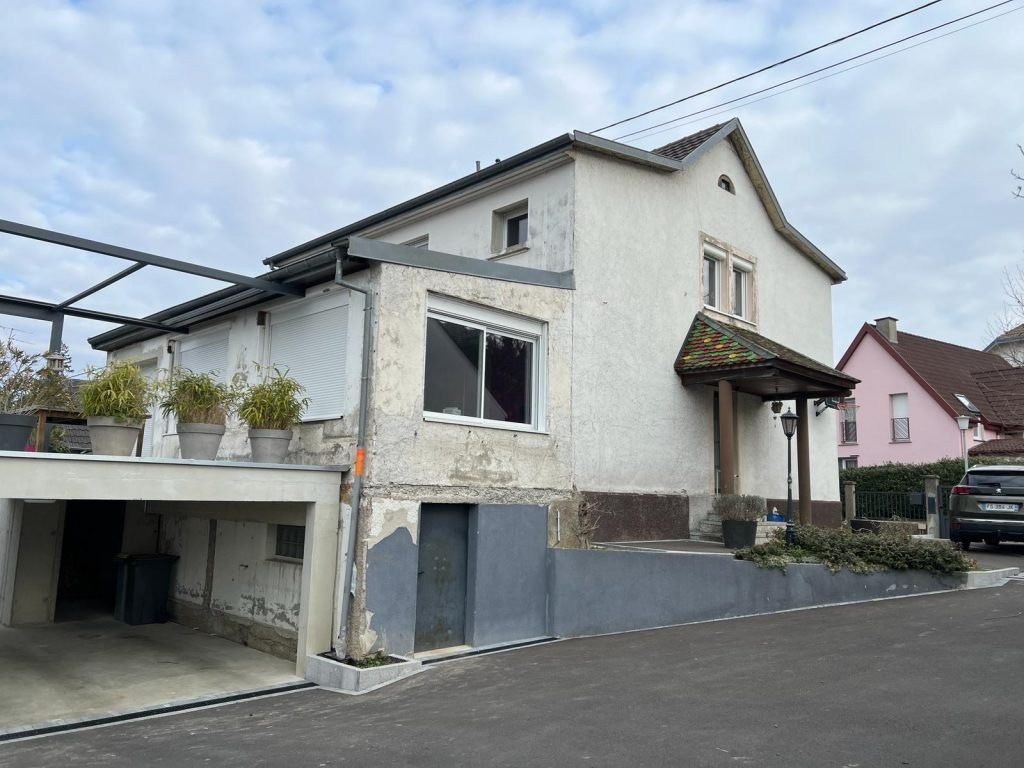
789 420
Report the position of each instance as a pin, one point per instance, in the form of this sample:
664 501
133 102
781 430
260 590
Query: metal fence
901 429
881 505
849 431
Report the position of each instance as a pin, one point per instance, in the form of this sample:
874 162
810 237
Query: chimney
887 327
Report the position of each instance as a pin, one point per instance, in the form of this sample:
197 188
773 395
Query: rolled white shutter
311 342
205 354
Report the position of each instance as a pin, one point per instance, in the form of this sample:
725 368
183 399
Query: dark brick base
639 516
824 514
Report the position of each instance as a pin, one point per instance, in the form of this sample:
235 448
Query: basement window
290 541
483 366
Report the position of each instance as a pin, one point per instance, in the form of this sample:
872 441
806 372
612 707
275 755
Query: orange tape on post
360 457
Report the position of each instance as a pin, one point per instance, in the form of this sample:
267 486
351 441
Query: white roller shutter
205 354
310 340
149 370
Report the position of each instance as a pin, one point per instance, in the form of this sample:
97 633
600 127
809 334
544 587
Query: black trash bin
143 586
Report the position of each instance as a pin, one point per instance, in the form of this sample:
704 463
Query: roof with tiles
1004 446
711 345
679 149
1003 390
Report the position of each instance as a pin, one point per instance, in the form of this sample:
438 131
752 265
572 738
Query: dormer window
726 183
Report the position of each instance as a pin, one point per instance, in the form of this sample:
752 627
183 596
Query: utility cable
770 66
820 69
648 132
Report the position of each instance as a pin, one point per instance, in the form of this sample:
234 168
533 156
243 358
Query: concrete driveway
924 681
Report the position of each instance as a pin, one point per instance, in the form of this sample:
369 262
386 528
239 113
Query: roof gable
942 369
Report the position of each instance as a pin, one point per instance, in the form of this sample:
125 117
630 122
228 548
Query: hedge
908 478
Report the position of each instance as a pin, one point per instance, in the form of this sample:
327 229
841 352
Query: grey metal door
441 581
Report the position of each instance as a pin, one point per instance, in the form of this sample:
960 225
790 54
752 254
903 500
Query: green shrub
198 398
275 402
908 478
733 506
858 551
119 391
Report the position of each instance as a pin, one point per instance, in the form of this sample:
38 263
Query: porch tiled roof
1004 446
712 345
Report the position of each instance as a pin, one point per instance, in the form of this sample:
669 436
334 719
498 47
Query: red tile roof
1004 446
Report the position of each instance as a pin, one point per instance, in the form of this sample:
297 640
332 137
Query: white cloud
224 132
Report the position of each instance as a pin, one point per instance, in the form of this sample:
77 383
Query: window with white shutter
309 341
149 370
206 353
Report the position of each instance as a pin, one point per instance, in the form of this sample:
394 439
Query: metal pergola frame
55 313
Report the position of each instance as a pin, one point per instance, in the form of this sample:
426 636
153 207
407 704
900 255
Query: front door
441 580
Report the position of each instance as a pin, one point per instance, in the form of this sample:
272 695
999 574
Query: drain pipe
360 459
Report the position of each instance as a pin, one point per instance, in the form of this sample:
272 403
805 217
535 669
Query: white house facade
584 325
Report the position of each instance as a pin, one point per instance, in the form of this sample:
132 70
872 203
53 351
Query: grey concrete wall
507 588
35 583
390 568
595 591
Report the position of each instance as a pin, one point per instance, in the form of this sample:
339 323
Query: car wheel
992 541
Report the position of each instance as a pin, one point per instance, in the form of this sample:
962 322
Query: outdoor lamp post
789 420
963 422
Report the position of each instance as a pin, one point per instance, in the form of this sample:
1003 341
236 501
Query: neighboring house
1010 346
911 391
585 323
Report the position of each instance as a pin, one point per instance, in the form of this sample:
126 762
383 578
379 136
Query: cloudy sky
224 132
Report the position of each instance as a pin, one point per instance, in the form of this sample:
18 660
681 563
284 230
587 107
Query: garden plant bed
359 675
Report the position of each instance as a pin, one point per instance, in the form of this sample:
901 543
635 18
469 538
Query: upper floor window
726 183
848 408
309 340
979 431
423 241
900 409
483 366
728 282
511 227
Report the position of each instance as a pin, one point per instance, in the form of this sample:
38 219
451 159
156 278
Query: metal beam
40 310
94 246
103 284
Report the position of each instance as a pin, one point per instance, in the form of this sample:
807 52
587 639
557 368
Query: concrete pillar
849 502
319 561
803 460
726 441
10 538
931 504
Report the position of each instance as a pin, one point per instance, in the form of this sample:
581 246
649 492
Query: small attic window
726 183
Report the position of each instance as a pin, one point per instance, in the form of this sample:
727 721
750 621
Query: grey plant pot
15 431
111 437
200 441
269 446
737 534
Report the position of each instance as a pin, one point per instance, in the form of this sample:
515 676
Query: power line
770 66
821 69
812 82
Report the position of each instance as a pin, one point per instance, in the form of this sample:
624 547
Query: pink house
911 391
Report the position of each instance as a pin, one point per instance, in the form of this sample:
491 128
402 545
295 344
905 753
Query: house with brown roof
913 389
1009 345
583 325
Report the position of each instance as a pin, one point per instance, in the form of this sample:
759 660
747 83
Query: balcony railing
849 431
901 430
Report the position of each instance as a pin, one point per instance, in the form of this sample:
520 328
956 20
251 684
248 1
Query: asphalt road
925 681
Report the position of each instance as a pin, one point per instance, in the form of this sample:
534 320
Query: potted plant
201 405
114 401
271 407
739 515
27 384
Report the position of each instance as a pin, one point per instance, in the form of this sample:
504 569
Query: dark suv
988 505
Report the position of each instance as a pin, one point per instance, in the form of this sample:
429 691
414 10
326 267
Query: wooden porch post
803 461
726 443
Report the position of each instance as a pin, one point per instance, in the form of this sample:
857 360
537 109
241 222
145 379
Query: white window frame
979 432
500 220
492 320
311 304
728 261
716 257
745 268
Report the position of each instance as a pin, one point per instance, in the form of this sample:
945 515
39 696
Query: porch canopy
736 359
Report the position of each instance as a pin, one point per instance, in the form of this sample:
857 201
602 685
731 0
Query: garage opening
92 536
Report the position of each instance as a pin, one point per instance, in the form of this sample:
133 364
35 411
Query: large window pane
509 379
453 368
710 282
